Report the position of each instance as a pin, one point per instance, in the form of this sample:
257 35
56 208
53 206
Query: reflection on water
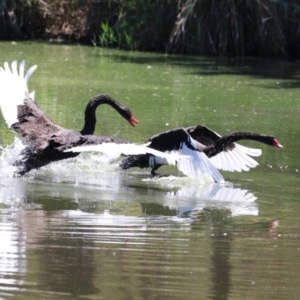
135 244
12 258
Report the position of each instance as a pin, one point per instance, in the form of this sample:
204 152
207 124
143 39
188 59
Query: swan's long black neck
227 141
90 112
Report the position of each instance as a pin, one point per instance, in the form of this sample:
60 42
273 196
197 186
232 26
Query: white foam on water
8 155
71 169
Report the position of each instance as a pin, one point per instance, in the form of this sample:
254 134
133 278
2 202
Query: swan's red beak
277 144
133 120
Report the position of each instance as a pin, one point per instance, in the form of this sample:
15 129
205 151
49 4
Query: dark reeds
201 27
237 27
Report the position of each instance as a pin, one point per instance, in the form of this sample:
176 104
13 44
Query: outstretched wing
116 149
234 157
178 144
33 122
18 107
13 86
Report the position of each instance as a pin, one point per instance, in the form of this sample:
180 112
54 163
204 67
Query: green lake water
83 229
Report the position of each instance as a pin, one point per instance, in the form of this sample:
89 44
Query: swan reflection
119 212
182 196
238 201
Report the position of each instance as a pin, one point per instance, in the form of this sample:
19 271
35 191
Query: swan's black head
128 115
266 139
124 111
276 144
269 140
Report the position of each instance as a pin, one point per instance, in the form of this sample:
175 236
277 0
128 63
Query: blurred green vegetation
262 28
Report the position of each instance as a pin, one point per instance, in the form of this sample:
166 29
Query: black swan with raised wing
197 151
222 151
46 140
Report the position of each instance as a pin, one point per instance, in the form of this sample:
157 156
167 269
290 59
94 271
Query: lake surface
82 228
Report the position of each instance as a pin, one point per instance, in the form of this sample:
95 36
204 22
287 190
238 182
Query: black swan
222 151
192 163
46 140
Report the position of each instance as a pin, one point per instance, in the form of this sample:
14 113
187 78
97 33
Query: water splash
9 154
85 163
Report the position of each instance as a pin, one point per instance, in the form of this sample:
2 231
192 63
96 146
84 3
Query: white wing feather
198 166
127 149
13 85
237 159
189 162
